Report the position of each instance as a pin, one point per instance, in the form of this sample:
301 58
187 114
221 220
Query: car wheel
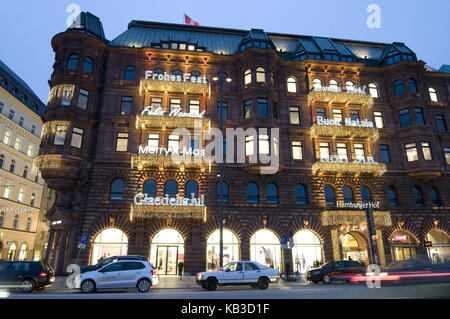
143 285
326 279
204 287
263 283
87 286
254 286
27 285
211 284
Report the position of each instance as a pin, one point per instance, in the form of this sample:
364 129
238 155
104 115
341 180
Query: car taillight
153 272
42 274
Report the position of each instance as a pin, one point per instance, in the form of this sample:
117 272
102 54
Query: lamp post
221 78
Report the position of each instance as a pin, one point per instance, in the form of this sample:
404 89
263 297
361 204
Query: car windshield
224 266
327 264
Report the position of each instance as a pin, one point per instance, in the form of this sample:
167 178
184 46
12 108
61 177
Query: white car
238 273
121 274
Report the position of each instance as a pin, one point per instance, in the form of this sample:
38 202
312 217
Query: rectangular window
404 117
320 112
297 152
20 197
194 106
60 135
66 96
324 150
354 115
122 142
420 120
175 104
384 153
155 102
337 115
342 151
125 105
195 142
411 152
440 120
379 122
11 114
1 107
83 99
359 151
153 141
262 107
249 146
77 137
447 155
182 46
7 192
294 115
224 110
426 150
33 129
21 121
264 147
173 143
248 106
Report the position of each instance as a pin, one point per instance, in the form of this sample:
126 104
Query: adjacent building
20 181
315 130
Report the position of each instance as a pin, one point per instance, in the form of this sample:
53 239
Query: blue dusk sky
27 26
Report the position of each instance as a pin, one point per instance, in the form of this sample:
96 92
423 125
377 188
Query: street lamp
222 79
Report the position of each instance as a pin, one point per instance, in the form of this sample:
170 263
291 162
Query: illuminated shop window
265 248
354 247
292 84
439 252
433 95
72 62
230 249
411 152
307 251
23 252
247 76
167 251
347 193
297 151
418 196
88 65
260 74
378 117
426 150
225 192
117 189
129 73
194 106
191 188
122 142
110 242
77 137
252 193
373 90
403 245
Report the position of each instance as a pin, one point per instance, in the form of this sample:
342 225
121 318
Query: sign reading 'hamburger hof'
145 200
185 77
176 112
346 122
373 205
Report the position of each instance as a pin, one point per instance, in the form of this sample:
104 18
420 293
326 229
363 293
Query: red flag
188 20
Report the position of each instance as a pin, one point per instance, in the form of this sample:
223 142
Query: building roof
17 87
445 68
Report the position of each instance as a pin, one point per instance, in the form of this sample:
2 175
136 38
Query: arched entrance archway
23 251
403 245
307 251
110 242
230 249
265 248
439 252
167 251
12 251
354 247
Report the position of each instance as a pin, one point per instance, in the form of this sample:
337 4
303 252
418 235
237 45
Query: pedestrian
180 268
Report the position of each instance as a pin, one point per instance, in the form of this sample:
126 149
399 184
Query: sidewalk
170 282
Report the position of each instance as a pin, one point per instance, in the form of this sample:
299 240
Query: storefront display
265 248
404 246
439 252
167 251
230 249
307 251
110 242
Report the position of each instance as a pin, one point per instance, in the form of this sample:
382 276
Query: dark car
343 270
25 275
109 260
415 270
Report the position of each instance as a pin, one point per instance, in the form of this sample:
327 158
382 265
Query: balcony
59 172
354 217
355 168
150 84
143 161
345 131
156 121
329 95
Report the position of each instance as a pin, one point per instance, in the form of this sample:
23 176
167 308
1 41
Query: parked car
109 260
343 270
238 273
120 274
25 275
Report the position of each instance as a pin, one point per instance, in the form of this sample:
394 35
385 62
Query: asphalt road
332 291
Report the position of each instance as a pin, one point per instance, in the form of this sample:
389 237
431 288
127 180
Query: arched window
12 167
300 194
149 188
292 84
433 95
116 190
225 192
191 188
265 248
16 222
171 188
12 251
399 88
2 219
349 86
197 73
129 73
72 62
392 195
230 246
23 251
32 199
88 65
348 194
334 84
247 76
158 71
272 193
412 85
6 137
252 193
373 90
260 74
177 72
366 194
110 242
17 143
330 196
317 84
418 196
435 199
307 251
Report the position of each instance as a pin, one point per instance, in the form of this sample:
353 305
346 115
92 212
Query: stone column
245 248
380 248
59 263
335 244
50 243
69 253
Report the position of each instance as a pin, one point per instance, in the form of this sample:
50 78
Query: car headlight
199 276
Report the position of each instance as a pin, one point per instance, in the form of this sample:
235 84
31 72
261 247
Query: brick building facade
94 125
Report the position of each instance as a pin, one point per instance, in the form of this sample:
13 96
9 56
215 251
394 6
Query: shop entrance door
167 260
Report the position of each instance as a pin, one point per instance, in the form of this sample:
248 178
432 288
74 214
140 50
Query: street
320 291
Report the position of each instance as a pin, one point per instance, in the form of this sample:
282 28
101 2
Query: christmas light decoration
349 168
354 217
173 86
345 131
185 162
186 212
150 121
340 97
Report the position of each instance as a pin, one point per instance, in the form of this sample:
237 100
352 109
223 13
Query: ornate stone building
350 123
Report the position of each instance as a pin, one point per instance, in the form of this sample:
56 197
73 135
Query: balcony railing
162 212
354 217
353 168
328 95
345 131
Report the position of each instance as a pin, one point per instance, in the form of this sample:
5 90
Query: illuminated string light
349 168
340 97
345 131
354 217
186 212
